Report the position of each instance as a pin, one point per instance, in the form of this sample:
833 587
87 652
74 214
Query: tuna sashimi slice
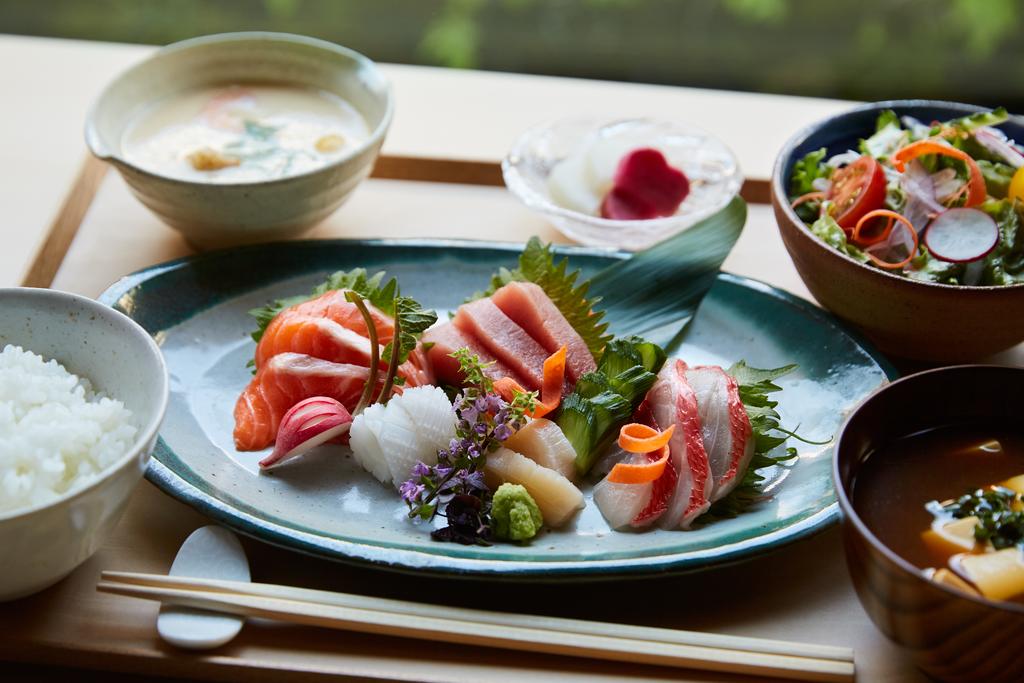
286 379
445 339
725 427
335 306
507 341
530 308
673 401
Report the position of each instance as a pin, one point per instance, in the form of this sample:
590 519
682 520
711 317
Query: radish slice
961 235
308 424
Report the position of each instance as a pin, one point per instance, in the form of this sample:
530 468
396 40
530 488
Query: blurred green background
969 50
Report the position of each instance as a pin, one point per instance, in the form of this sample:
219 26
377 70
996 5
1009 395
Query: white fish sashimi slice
364 439
544 442
673 401
429 409
556 496
725 427
621 504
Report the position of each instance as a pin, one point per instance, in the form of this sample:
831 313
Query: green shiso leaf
384 296
537 265
755 387
655 293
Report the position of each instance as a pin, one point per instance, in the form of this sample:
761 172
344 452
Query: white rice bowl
56 433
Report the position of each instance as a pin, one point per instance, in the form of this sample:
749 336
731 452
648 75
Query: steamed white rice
56 433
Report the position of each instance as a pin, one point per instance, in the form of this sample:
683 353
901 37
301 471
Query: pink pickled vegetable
308 424
961 235
645 187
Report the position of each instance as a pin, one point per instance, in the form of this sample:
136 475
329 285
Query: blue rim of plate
421 563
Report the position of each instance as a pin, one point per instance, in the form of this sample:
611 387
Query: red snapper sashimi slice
286 379
445 339
637 505
725 427
673 401
527 305
335 306
505 340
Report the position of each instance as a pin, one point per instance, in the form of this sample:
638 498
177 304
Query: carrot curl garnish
641 473
550 391
976 192
636 437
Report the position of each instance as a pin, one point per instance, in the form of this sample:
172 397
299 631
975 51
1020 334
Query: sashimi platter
483 409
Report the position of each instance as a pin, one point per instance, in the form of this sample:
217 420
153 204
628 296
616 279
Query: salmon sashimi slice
445 339
527 305
324 338
506 341
673 401
286 379
725 427
313 336
335 306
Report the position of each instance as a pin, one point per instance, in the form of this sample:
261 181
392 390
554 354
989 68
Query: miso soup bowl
225 214
906 318
950 635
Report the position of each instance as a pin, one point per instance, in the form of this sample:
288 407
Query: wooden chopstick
560 624
551 635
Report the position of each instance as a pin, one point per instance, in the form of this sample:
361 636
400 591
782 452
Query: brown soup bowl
905 318
951 635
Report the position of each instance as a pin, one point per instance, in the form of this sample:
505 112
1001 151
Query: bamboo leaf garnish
656 292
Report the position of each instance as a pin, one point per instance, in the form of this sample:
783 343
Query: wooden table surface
800 592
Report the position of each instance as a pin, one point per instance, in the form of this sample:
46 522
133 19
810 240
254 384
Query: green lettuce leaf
972 122
806 171
1005 265
828 231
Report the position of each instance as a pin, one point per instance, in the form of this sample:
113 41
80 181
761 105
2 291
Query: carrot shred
507 388
976 185
554 382
858 237
893 218
550 391
809 197
637 437
643 473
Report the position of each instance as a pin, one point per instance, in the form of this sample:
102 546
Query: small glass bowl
710 166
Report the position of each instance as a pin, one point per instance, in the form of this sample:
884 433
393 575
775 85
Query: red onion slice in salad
996 142
919 187
961 235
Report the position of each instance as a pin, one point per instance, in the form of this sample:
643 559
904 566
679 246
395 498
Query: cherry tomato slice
857 189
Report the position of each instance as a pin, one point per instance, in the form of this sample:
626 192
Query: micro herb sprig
455 486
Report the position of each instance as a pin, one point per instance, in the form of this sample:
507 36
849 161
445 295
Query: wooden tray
800 593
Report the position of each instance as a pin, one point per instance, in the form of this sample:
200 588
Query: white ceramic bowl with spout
226 214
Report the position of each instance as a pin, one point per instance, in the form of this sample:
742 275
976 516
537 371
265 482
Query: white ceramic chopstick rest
210 552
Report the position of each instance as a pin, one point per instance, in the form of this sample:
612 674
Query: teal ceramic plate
326 505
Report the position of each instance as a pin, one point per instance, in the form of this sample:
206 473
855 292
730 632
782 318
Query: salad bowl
904 317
